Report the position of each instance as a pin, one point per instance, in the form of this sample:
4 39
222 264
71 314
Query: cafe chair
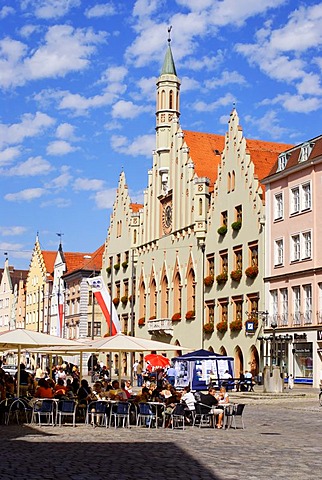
178 415
20 410
203 416
231 414
121 414
98 413
66 408
43 412
146 415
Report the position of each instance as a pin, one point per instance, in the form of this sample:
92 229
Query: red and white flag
104 300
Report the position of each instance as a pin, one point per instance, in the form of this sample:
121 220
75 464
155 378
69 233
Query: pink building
293 270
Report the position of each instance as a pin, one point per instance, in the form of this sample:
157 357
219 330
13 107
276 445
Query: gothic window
238 254
162 99
253 253
224 261
153 298
238 308
239 213
224 218
177 291
142 308
171 100
233 181
229 183
191 290
200 206
223 310
211 264
164 298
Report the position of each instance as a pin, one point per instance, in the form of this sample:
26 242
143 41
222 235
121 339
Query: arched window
162 99
142 309
164 298
233 181
135 236
177 291
171 100
153 298
191 290
229 183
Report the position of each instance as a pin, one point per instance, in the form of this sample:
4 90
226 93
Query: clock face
167 218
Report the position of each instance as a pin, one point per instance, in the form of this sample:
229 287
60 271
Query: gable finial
169 32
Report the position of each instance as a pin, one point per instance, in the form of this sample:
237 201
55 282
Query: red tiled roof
78 261
136 207
206 148
49 259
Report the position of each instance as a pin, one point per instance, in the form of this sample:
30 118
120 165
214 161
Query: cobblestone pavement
282 440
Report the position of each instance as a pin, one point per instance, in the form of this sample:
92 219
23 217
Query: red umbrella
157 361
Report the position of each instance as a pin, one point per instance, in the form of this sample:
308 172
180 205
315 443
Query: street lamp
273 342
202 247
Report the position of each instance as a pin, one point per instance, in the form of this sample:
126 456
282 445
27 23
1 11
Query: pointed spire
168 64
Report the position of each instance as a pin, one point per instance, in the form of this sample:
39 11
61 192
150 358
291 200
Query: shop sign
302 348
299 337
250 326
319 335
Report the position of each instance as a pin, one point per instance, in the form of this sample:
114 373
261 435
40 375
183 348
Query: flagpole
111 313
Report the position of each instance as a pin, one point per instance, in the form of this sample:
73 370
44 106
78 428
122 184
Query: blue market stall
196 368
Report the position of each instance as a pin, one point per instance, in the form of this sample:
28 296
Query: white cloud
62 181
210 62
65 131
63 50
115 74
189 83
269 123
56 202
310 85
28 30
226 78
31 167
8 155
100 10
105 198
60 147
31 125
124 109
144 8
142 145
295 103
227 12
88 184
80 105
26 195
5 11
227 99
12 231
49 8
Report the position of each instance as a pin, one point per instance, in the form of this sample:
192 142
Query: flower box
236 225
222 278
209 327
190 315
252 272
209 281
124 299
222 327
116 301
141 321
236 275
117 267
222 230
108 270
236 325
176 317
125 265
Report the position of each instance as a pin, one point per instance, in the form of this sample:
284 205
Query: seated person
84 393
210 400
117 393
189 400
124 389
43 389
143 397
59 389
98 391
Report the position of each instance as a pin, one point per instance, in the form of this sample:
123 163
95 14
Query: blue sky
77 89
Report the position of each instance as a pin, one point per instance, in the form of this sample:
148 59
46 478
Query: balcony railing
319 317
297 319
161 326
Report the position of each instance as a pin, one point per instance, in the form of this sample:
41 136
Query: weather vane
169 32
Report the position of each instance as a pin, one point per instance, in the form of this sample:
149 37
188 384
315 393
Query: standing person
290 382
139 374
171 375
39 373
135 366
248 381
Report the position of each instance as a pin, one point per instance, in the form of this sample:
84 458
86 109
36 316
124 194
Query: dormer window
305 151
282 161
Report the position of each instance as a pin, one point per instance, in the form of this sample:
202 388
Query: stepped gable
206 148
